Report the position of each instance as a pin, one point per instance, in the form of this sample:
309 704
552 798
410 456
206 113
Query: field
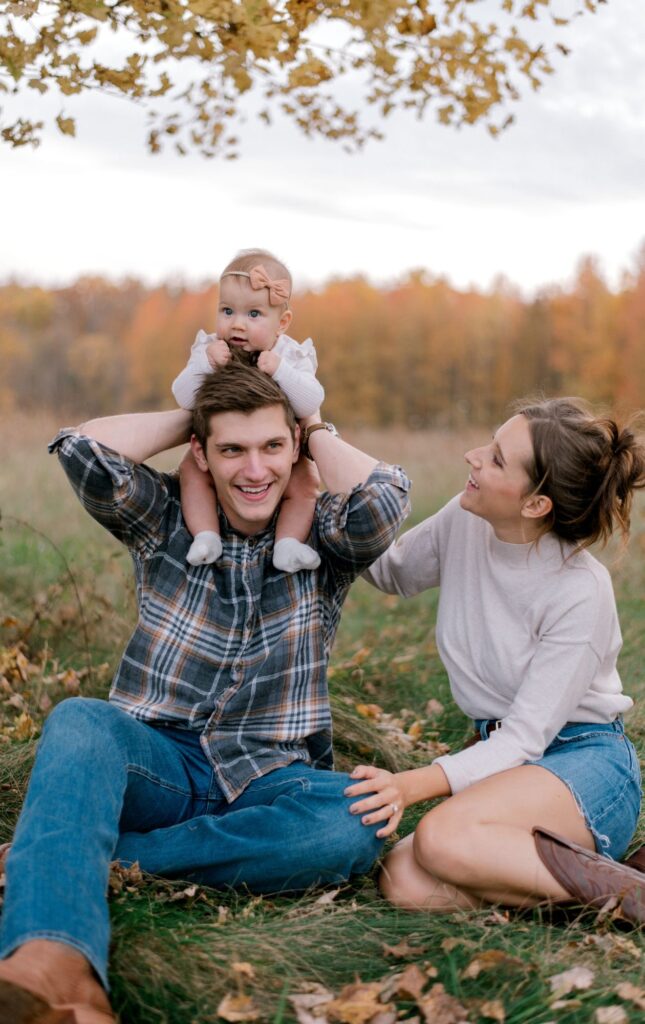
66 608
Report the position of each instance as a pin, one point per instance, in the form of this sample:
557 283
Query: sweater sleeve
567 658
186 385
413 563
296 375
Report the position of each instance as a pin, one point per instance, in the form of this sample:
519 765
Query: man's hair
237 388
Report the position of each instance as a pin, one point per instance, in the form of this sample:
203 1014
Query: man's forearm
139 436
341 466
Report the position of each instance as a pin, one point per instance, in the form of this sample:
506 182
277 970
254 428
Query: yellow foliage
463 68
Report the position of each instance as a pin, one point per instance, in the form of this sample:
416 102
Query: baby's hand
218 353
268 362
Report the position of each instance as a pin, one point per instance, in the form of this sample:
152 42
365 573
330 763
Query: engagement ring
395 808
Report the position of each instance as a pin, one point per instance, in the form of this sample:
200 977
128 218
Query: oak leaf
237 1007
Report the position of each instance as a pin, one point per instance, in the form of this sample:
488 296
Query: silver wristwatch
308 431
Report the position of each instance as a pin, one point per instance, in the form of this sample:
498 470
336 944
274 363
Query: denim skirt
599 766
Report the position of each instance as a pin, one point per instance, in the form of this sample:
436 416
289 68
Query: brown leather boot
591 878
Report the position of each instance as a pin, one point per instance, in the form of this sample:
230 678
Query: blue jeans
108 787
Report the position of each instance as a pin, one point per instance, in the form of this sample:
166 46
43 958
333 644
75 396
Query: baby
252 315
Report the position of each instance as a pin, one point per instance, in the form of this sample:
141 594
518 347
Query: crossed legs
476 847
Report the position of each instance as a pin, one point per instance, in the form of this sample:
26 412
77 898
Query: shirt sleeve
354 529
566 660
187 384
128 499
303 389
413 563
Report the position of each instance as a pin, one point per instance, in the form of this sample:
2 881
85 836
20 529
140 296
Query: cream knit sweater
526 635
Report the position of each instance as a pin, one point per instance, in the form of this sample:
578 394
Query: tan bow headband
278 288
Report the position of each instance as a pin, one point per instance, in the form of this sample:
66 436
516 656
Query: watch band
304 444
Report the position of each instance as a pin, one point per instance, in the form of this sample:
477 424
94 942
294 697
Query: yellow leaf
569 981
493 1009
243 969
489 960
356 1004
439 1005
237 1008
67 125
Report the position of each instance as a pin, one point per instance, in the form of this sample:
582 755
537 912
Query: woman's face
498 485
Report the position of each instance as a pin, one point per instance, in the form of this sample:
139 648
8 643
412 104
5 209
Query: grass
68 605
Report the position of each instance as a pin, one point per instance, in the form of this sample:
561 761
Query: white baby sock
206 548
290 555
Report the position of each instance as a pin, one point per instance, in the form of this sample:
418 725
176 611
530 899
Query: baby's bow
278 288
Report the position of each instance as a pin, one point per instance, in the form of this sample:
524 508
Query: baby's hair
246 259
588 466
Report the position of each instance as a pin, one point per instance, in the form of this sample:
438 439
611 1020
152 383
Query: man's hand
218 353
268 362
386 801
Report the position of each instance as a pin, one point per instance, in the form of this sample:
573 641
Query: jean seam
162 783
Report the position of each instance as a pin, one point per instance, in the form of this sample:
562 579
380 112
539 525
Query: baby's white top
526 636
296 374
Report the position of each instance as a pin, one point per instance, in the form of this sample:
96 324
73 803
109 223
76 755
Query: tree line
417 353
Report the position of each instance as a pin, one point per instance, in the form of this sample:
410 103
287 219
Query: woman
528 632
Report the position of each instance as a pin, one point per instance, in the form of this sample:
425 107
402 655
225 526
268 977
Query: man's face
250 457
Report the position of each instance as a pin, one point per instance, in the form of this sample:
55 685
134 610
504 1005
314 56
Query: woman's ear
285 320
198 454
537 506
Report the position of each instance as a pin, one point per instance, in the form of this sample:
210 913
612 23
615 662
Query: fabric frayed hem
100 970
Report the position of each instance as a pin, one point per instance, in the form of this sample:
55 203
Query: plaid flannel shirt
237 650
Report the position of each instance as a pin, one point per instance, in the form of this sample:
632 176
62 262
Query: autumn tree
191 61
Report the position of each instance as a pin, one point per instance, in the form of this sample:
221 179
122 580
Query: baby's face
245 319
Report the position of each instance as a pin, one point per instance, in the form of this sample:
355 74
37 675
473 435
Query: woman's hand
386 801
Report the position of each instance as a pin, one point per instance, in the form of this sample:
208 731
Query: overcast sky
567 179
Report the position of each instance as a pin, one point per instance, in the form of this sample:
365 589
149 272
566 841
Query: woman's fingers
364 771
386 799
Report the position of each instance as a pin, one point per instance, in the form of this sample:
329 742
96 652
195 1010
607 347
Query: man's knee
82 722
342 842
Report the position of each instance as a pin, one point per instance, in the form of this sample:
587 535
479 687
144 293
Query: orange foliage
418 353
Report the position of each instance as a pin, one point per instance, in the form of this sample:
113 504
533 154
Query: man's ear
198 454
296 444
285 320
537 506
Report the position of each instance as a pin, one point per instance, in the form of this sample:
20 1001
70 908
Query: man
205 762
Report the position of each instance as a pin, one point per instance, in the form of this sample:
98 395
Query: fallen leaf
237 1008
489 960
493 1009
360 656
402 950
439 1007
495 918
569 981
448 945
411 983
369 710
566 1004
183 894
242 968
434 708
357 1003
631 993
610 1015
305 1004
326 898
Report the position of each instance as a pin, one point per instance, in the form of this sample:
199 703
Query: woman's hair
587 465
246 259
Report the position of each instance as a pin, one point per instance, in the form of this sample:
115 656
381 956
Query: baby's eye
254 313
227 311
497 461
